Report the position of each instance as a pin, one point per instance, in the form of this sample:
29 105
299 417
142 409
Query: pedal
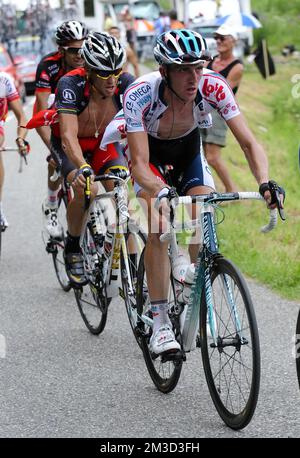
176 356
50 247
169 356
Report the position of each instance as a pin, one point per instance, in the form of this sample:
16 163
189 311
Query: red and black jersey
73 91
49 71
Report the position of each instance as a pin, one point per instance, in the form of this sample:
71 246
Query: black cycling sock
72 244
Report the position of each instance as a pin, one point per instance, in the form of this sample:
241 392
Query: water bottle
184 296
114 280
179 267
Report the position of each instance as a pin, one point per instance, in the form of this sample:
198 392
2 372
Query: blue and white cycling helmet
181 47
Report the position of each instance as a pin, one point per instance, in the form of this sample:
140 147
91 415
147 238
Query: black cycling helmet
70 31
181 47
103 52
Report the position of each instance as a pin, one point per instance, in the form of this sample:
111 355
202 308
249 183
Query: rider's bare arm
18 111
42 104
69 137
139 151
253 151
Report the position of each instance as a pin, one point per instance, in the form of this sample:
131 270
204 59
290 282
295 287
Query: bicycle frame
191 310
119 196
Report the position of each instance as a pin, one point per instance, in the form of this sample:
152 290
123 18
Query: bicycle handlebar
117 176
22 155
223 197
9 148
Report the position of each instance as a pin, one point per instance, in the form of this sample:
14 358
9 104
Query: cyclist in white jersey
9 98
163 112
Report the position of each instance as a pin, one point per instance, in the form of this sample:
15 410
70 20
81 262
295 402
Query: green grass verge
271 112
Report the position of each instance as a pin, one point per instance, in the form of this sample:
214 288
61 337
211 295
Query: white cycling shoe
163 341
51 222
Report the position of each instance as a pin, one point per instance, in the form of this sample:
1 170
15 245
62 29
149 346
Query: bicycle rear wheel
164 372
297 348
137 243
92 299
232 367
56 247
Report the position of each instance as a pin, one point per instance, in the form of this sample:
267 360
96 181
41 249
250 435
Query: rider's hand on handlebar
274 196
165 193
80 176
23 146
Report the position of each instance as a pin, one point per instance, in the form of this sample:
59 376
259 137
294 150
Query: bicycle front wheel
135 243
297 349
56 247
232 361
163 372
92 299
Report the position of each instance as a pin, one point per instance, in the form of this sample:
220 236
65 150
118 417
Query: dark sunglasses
105 74
220 37
73 51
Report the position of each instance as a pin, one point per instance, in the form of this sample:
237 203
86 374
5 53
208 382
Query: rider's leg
1 167
3 219
53 186
157 268
50 204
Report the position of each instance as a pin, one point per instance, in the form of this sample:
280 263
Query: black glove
165 193
275 191
23 145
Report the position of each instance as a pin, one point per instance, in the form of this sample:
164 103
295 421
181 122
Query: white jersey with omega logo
143 105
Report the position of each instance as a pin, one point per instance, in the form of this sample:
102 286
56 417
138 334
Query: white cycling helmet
70 31
103 52
181 47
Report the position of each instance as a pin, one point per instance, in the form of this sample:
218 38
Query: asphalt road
57 380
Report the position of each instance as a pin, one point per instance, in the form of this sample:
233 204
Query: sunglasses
220 37
73 51
105 74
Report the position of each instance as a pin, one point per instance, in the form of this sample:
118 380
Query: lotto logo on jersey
210 88
69 95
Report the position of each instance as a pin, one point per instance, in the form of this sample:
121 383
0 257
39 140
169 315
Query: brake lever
275 194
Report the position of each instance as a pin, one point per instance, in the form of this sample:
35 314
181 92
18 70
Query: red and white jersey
8 93
143 105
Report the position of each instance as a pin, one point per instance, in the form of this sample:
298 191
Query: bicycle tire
234 394
297 348
91 298
164 374
58 246
0 239
130 300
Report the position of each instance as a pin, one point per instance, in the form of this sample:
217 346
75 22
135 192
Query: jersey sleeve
42 78
67 97
137 102
125 80
217 92
10 91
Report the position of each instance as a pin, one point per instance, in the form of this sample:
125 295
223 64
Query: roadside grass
271 112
